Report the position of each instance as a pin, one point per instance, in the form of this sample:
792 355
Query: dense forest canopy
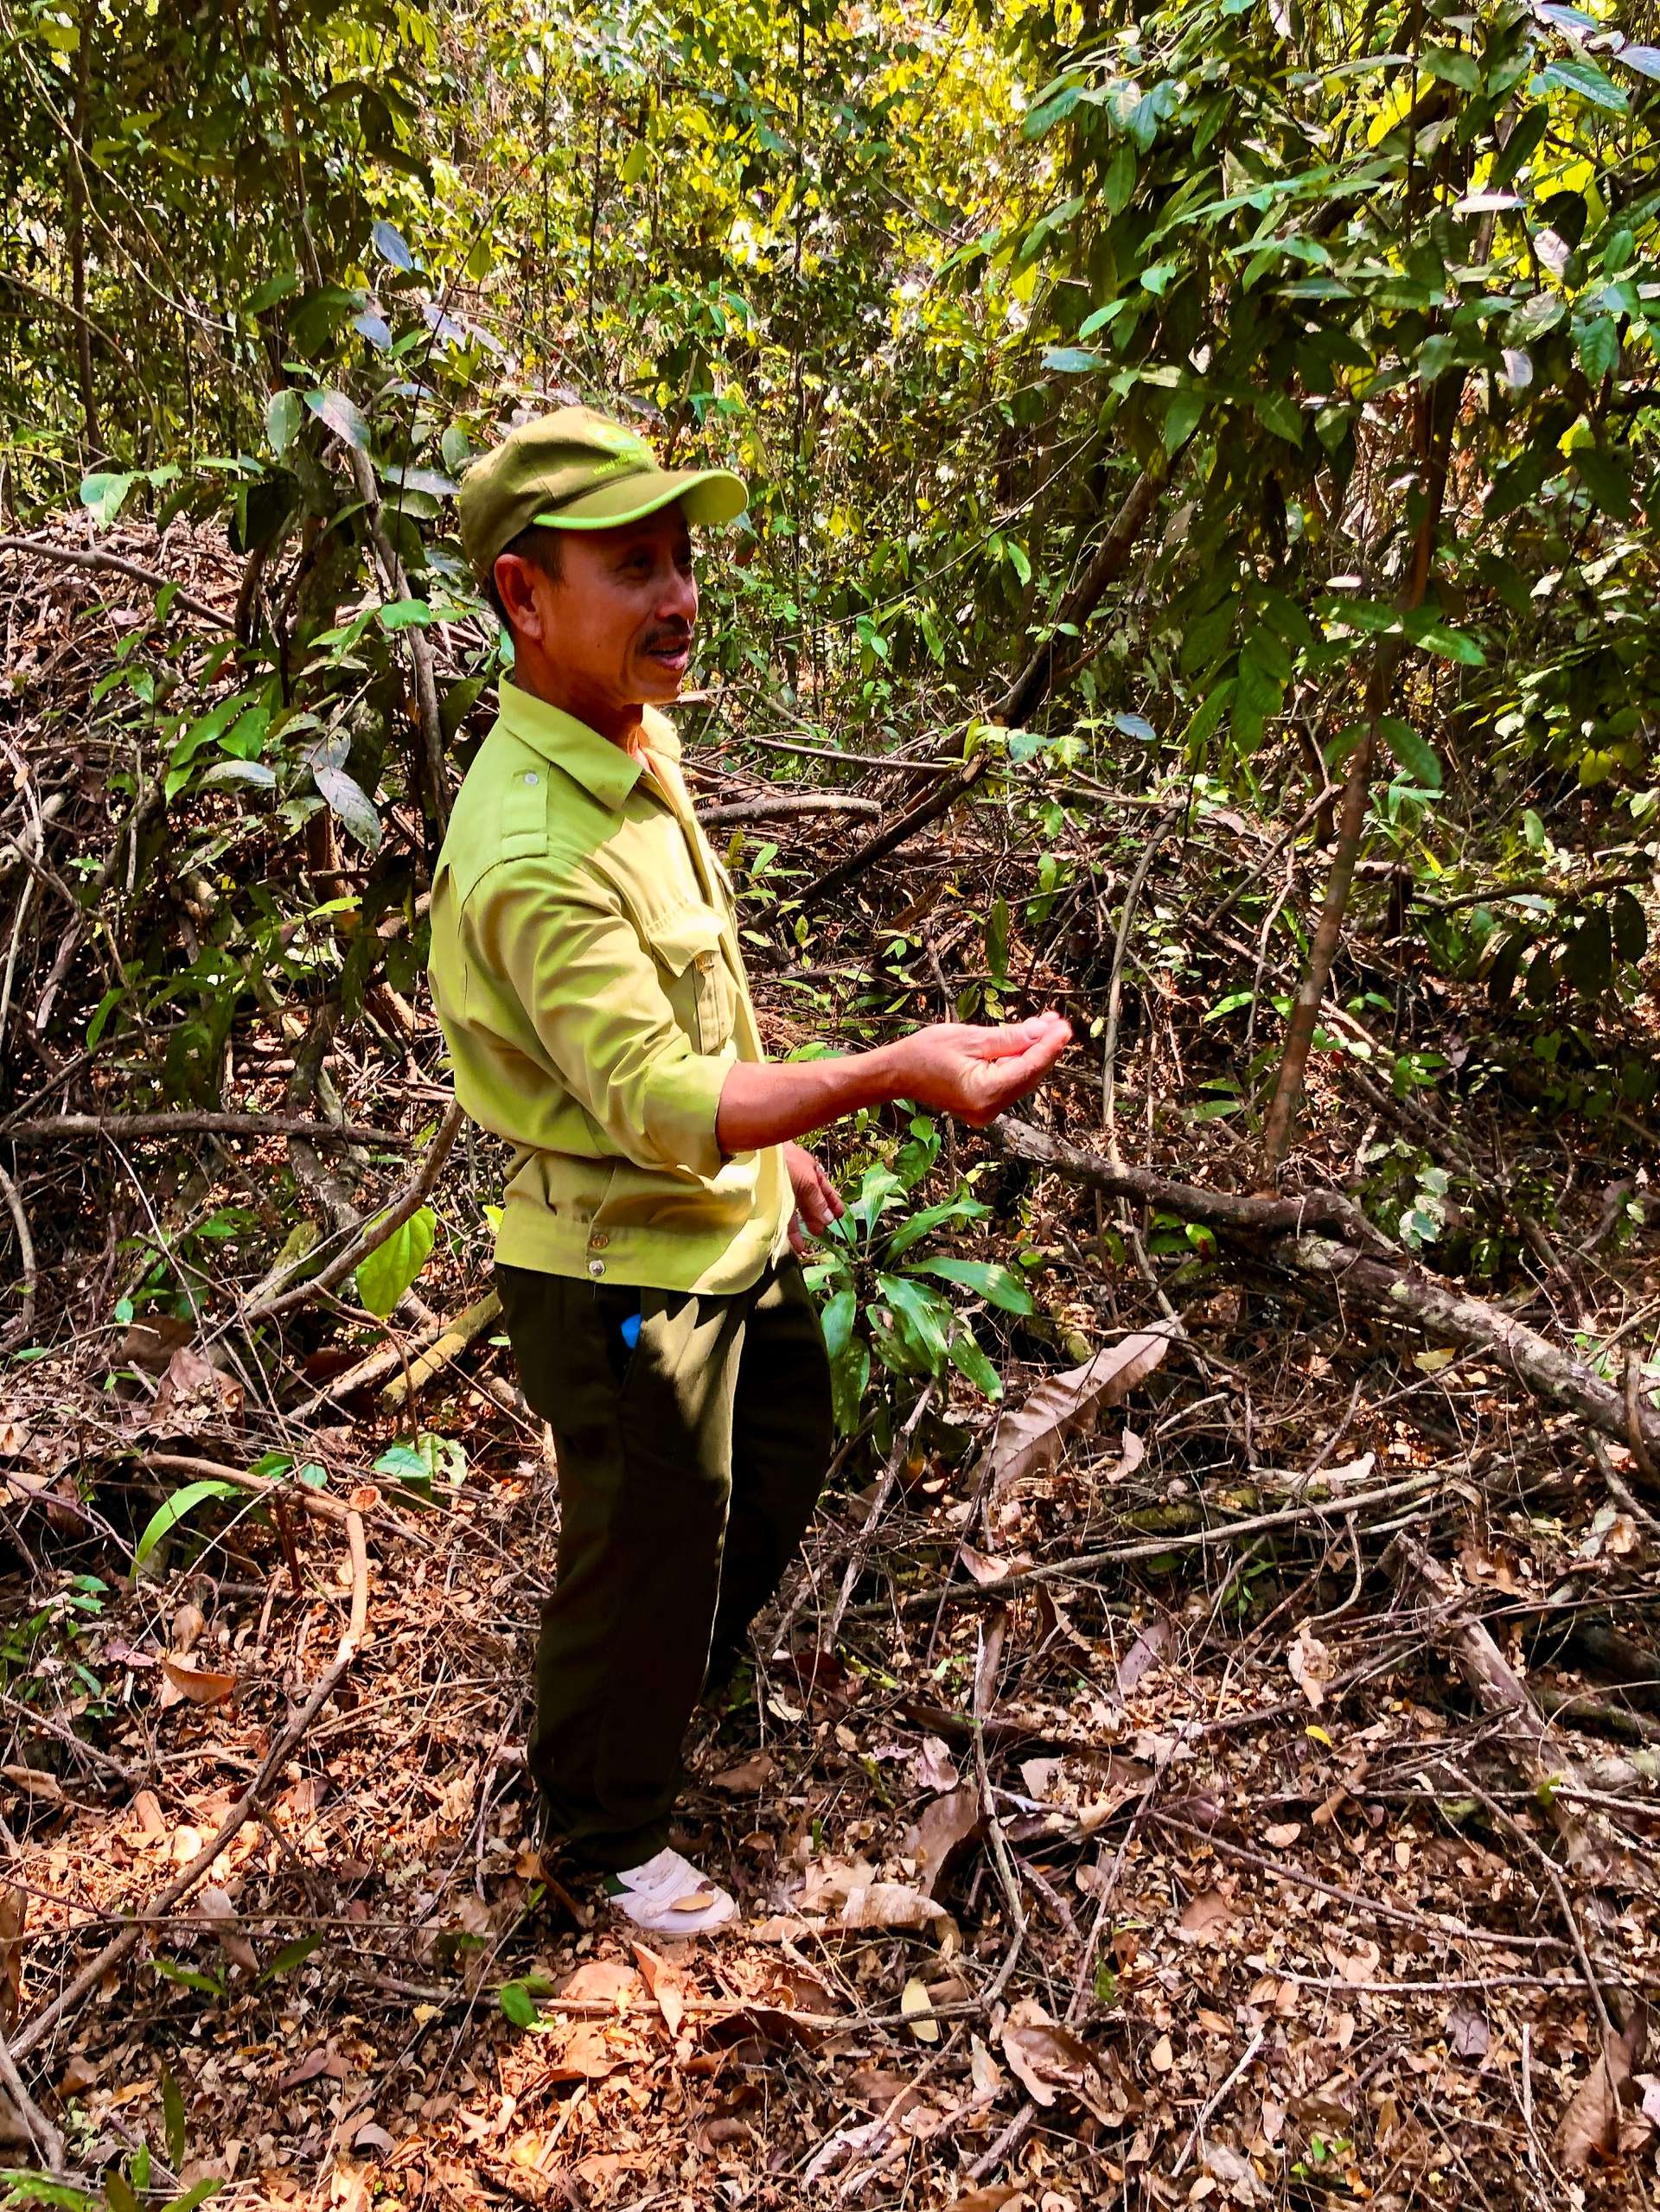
1199 572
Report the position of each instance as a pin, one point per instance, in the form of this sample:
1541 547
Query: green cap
576 470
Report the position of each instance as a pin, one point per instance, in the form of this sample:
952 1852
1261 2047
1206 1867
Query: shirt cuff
682 1102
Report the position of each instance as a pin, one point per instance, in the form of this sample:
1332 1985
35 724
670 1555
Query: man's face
617 623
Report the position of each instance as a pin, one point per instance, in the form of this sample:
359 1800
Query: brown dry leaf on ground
1029 1437
1590 2129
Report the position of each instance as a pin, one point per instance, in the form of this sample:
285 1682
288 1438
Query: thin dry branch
1228 1209
117 1128
83 557
1400 1294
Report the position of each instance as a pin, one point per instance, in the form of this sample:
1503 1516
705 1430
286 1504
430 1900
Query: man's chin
658 681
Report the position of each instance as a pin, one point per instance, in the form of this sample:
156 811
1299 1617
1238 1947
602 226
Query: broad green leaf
350 805
1576 73
103 494
282 417
1453 66
949 1212
924 1316
389 245
1599 343
519 2005
198 2193
1411 751
1118 184
988 1277
966 1357
1182 416
1072 360
836 1321
386 1273
340 415
173 1510
1279 412
291 1955
997 939
1440 638
1101 317
282 286
173 2118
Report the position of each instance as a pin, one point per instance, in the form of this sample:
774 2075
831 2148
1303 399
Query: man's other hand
975 1072
818 1202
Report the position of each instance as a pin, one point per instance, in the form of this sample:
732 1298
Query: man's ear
515 585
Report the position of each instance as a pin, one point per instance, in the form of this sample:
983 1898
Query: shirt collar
603 769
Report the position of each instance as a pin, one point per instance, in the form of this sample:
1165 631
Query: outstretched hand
975 1072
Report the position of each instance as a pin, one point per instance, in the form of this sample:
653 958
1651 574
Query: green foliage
386 1273
880 1296
168 1516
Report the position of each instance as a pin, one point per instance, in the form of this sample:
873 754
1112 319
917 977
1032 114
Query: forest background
1199 573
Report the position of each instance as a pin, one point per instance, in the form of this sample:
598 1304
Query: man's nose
678 601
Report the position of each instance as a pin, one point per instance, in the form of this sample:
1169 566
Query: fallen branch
1397 1294
765 810
287 1490
117 1128
1533 1746
1229 1209
1152 1547
282 1750
80 557
466 1328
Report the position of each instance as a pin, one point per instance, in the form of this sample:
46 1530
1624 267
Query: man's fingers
1012 1078
797 1237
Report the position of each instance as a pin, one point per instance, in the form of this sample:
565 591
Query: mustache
669 634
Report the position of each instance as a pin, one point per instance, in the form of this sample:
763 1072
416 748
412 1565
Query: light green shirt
585 968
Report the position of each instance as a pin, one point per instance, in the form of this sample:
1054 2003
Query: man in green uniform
586 969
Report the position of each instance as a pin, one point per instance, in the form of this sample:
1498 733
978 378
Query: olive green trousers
688 1468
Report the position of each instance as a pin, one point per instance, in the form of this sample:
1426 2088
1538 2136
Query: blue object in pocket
630 1331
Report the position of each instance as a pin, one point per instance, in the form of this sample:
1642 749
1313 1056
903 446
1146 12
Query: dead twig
117 1128
373 1234
29 1266
81 556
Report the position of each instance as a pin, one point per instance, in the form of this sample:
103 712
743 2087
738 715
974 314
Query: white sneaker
668 1897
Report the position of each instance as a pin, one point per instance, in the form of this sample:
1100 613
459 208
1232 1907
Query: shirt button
595 1266
530 775
599 1240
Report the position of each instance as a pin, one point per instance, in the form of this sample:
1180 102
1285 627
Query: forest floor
1142 1818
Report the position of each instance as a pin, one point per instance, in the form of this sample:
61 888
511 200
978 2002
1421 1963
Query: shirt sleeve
593 996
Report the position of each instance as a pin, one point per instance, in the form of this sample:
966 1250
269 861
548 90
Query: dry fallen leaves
1310 1664
1028 1438
1048 2059
943 1823
914 2003
1590 2126
1206 1917
202 1686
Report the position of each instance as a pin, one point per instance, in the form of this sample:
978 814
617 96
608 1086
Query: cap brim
706 495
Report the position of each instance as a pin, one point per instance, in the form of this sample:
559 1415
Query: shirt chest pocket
685 945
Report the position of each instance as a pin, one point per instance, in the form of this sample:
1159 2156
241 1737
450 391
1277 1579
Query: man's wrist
885 1073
